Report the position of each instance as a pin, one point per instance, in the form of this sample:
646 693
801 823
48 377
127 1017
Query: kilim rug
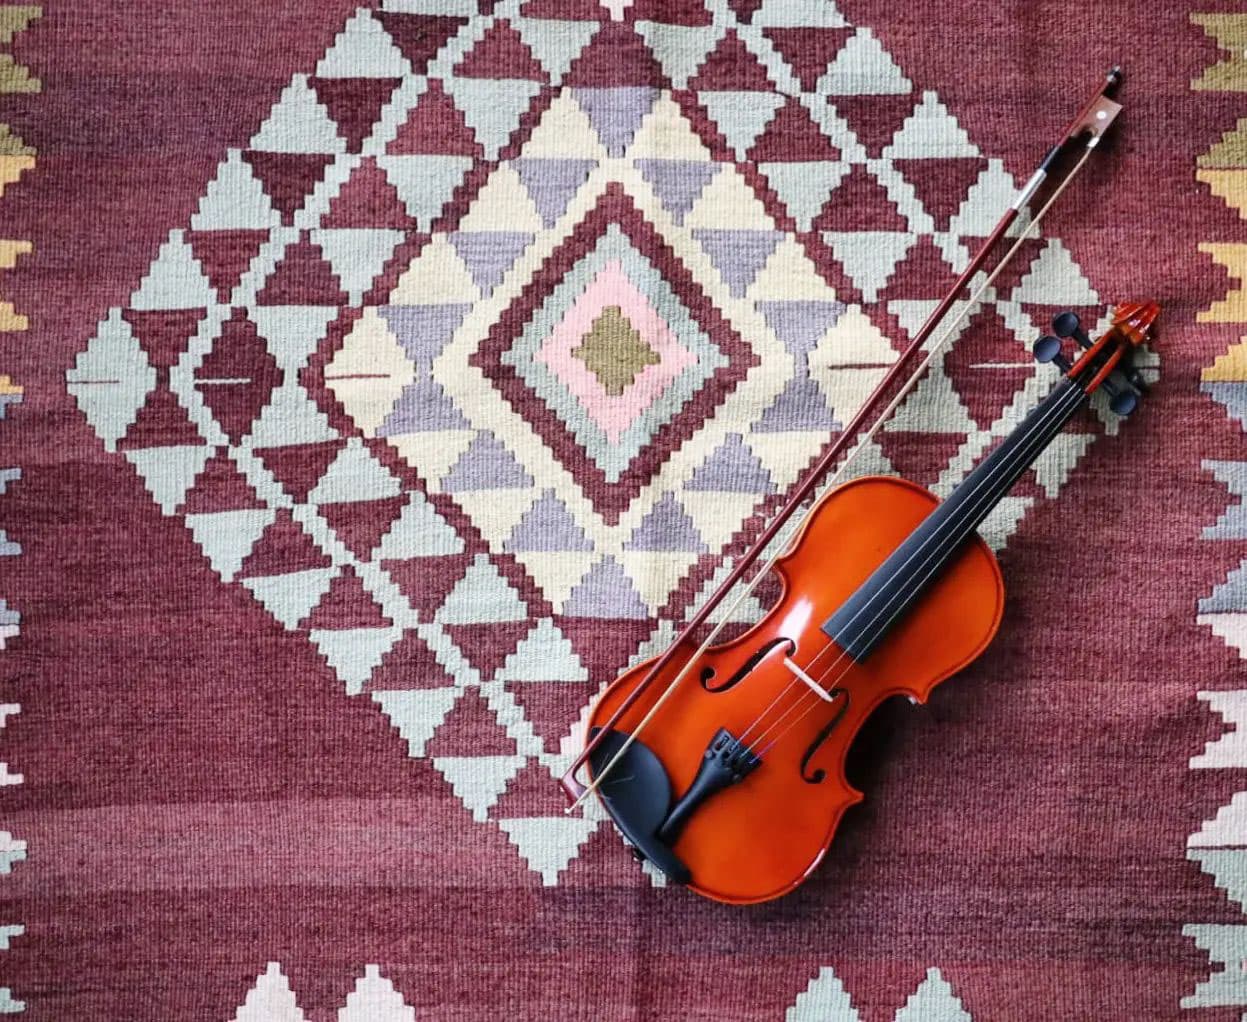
380 379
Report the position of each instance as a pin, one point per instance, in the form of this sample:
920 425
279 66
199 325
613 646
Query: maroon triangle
299 467
501 53
745 9
220 486
808 50
287 178
237 376
942 184
988 365
360 524
874 119
919 457
282 548
532 792
615 56
354 104
471 729
225 255
859 203
347 604
302 277
161 422
792 136
435 125
164 334
427 581
551 706
921 274
488 645
409 665
731 68
419 36
367 200
604 650
671 12
564 10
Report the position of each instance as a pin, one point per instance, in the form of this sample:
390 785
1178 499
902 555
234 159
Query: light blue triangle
355 474
555 44
113 355
416 713
291 417
357 254
354 653
544 655
803 187
292 332
482 596
168 472
1233 521
227 537
933 1001
174 280
492 107
234 200
823 1000
424 183
419 531
741 116
1230 597
292 596
680 49
1227 867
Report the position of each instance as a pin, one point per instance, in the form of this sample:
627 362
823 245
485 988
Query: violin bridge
817 689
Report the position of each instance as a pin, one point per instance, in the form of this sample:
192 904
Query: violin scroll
1105 362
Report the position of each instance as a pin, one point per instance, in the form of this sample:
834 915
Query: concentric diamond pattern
375 377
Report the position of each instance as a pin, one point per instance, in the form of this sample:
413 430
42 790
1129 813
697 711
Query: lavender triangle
486 465
423 330
738 255
606 593
666 527
677 183
732 468
489 254
616 113
551 183
801 406
547 527
800 324
422 407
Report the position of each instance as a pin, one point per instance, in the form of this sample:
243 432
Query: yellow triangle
10 321
1230 186
12 167
503 205
665 134
556 572
564 132
1233 307
15 77
1230 367
10 250
1230 32
1231 151
15 18
494 512
7 386
433 459
11 143
655 573
786 455
436 276
789 276
717 516
728 203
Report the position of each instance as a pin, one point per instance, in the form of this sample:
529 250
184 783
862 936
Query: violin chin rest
637 794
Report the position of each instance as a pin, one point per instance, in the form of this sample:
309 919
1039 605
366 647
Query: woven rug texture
379 380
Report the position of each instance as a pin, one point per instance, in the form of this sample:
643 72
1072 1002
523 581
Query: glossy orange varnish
761 838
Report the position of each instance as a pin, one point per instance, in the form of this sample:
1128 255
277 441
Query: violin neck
863 620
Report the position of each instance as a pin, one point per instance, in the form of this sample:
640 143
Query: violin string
946 335
985 483
1043 437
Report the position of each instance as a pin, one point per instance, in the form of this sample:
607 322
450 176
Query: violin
737 785
723 765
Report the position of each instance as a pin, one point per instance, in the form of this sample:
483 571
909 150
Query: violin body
759 838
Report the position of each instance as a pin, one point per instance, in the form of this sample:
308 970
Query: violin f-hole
820 775
739 675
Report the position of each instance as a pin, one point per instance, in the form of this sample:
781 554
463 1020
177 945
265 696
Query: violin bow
1085 132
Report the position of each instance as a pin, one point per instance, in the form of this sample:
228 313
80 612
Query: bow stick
1085 130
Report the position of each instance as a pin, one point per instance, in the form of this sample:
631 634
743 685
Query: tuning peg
1066 324
1048 349
1121 399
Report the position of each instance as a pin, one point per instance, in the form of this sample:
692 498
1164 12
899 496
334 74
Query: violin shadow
865 764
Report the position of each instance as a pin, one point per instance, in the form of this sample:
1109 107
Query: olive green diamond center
614 351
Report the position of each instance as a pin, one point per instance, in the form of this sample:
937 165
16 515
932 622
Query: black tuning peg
1123 397
1066 324
1048 349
